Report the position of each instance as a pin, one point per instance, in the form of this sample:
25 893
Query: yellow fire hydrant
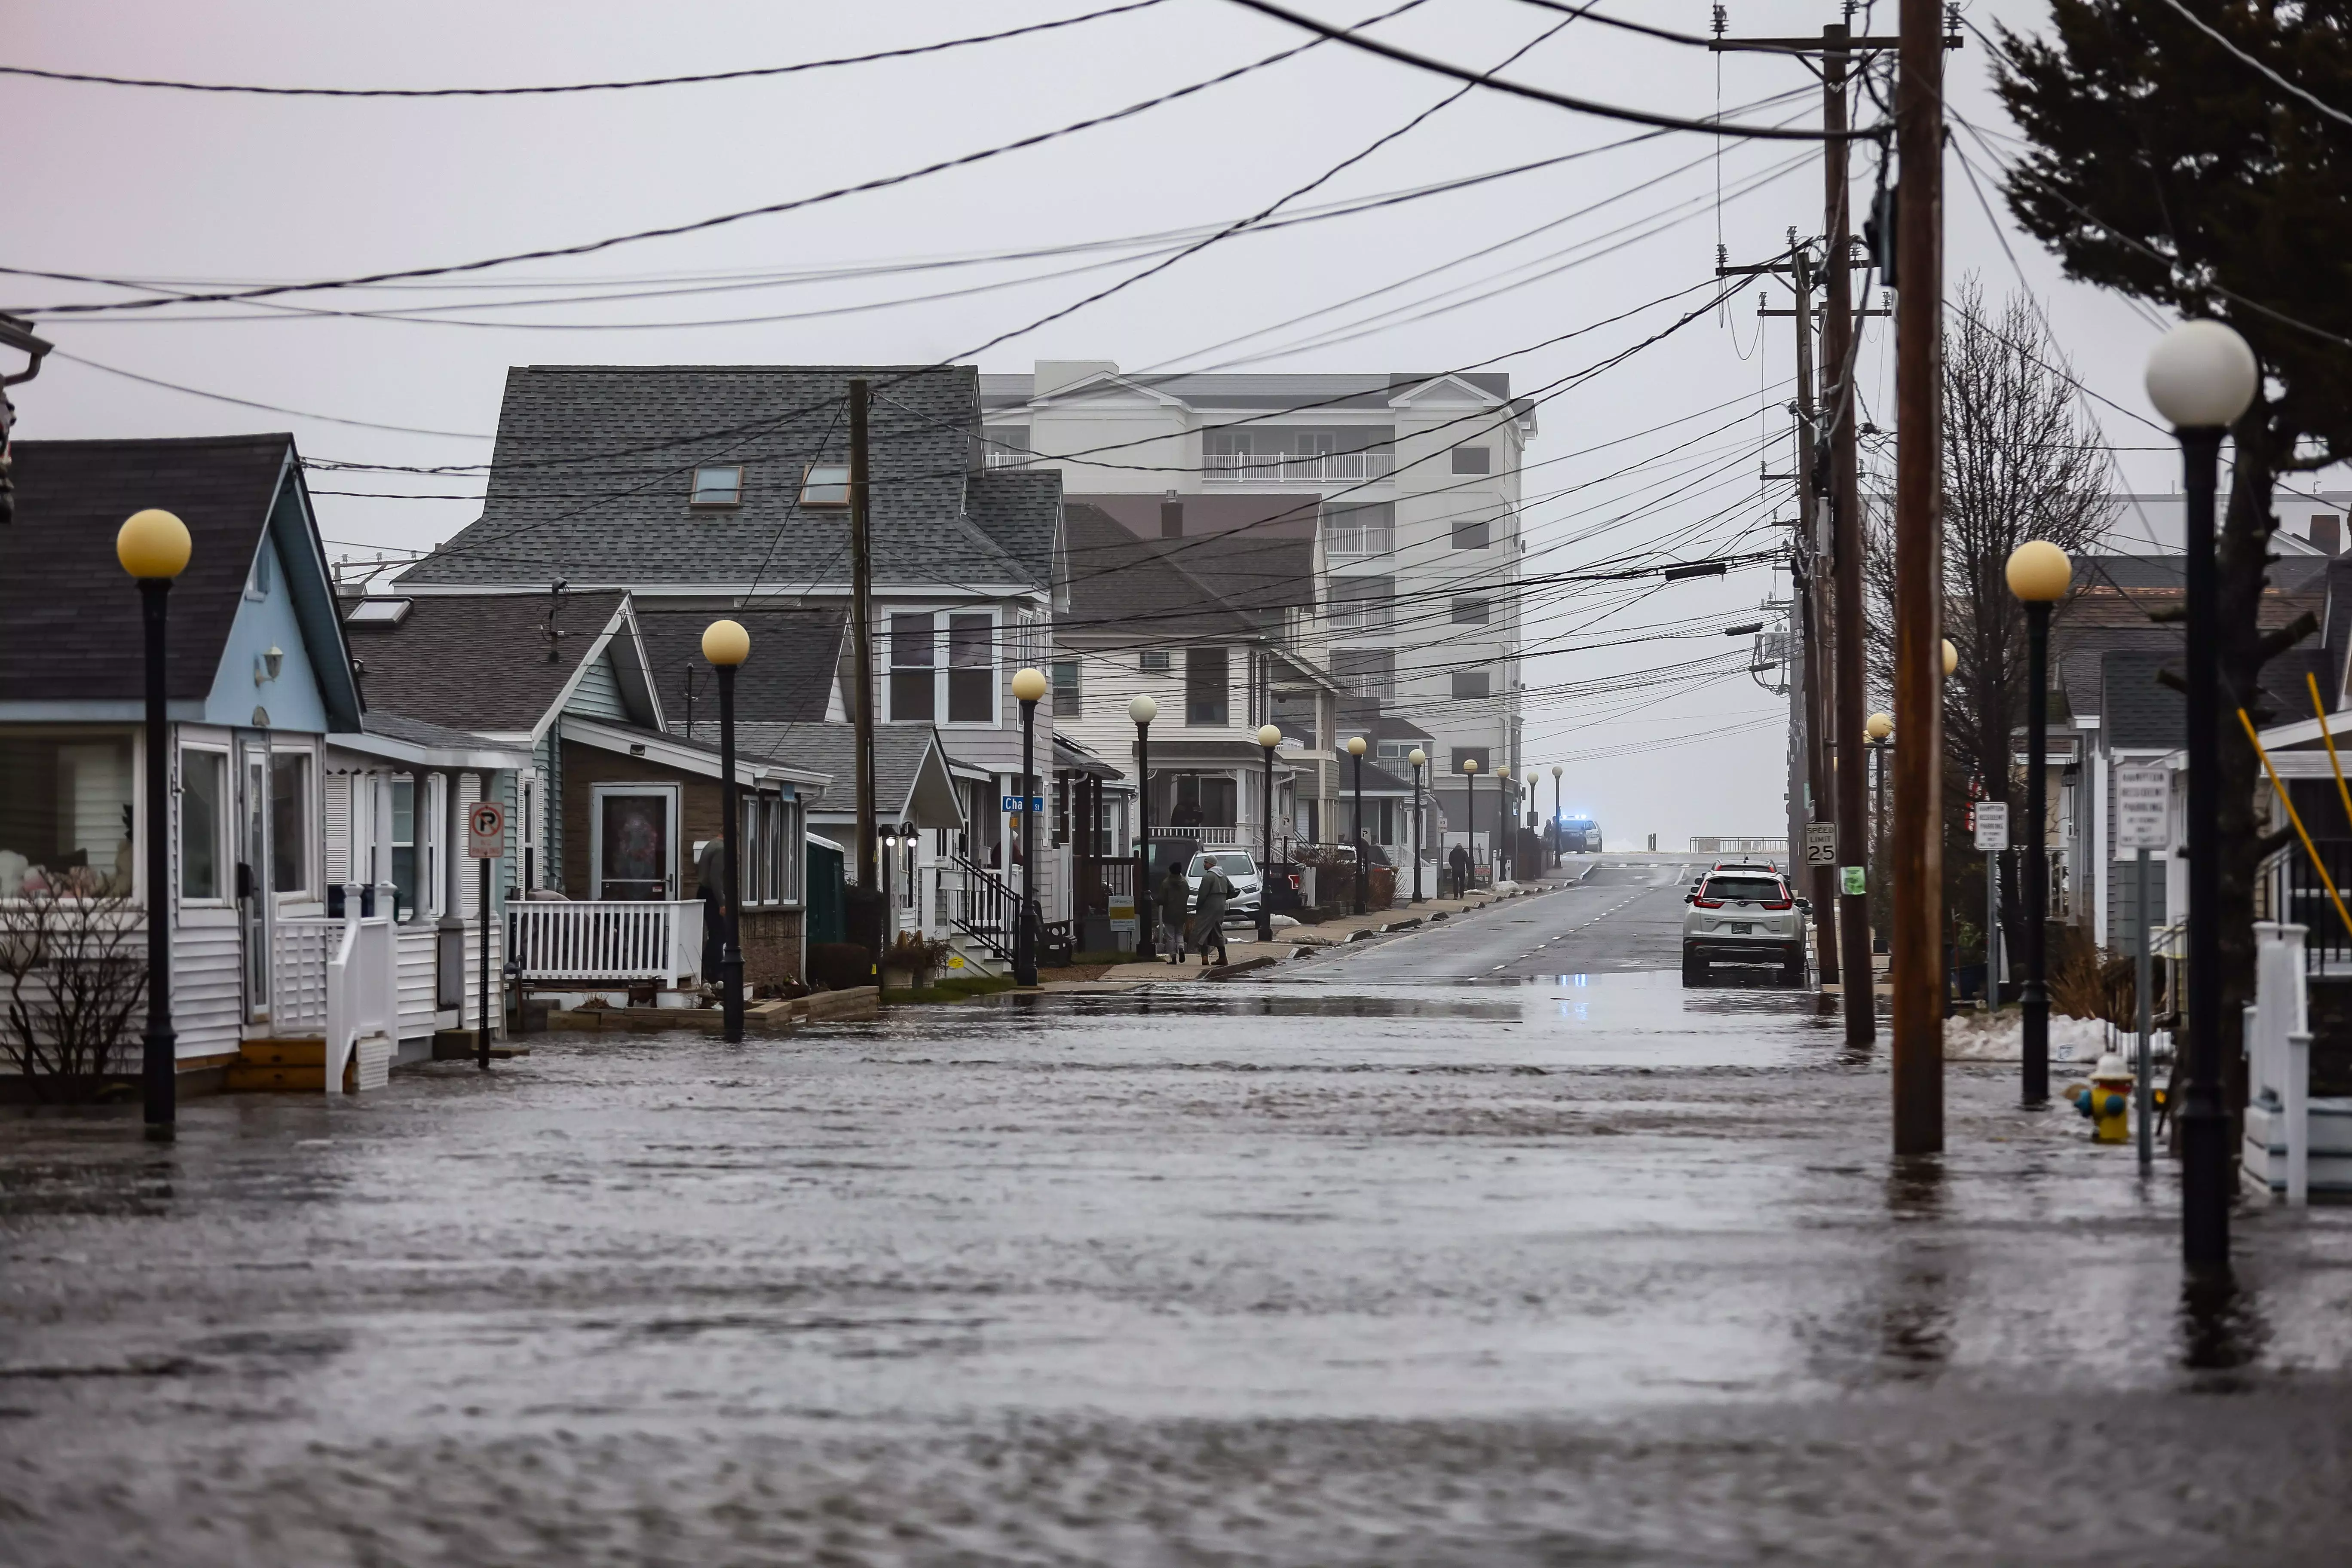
2107 1100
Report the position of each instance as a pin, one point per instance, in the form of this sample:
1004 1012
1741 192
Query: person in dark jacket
1175 902
1460 861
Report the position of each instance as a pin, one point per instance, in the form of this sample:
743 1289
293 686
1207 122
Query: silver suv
1744 915
1240 869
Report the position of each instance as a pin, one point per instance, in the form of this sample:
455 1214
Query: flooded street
1486 1243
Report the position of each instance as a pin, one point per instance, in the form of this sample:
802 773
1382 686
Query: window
256 585
913 683
436 875
1069 695
403 848
1473 460
1366 671
971 669
289 822
755 841
825 484
65 814
204 793
1007 446
1363 528
1362 604
1470 683
1474 533
378 613
1157 661
1482 756
1470 612
1205 686
718 484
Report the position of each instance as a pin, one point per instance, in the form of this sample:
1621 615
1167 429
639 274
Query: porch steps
297 1064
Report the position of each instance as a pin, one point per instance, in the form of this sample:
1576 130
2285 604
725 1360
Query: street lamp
1503 814
727 645
1556 770
2038 574
1951 658
1356 748
2201 377
1143 711
1269 738
1028 687
1419 759
154 547
1470 819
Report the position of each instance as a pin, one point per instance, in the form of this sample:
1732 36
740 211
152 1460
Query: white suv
1241 870
1744 915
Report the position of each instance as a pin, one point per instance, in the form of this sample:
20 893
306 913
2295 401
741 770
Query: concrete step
295 1052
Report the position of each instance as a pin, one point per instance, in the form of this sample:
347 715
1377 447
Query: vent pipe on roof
1172 517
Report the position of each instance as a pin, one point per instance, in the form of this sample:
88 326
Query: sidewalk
1296 942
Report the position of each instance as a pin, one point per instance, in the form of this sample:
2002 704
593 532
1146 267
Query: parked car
1744 915
1240 869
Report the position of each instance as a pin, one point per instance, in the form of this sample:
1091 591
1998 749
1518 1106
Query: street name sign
486 831
1012 803
2143 801
1992 825
1820 843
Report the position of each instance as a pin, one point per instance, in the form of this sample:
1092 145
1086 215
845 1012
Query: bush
840 965
73 963
914 952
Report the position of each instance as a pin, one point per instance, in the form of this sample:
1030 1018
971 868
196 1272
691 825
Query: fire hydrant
2107 1100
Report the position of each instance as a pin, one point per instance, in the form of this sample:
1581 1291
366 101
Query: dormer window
718 485
377 613
825 484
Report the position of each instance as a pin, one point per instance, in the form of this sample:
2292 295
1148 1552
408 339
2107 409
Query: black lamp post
2201 377
1470 821
1029 685
1877 732
154 547
1556 770
1418 758
1269 738
1502 819
1356 748
2038 574
1143 711
727 645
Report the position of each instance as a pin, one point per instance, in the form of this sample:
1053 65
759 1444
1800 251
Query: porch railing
652 939
338 979
983 904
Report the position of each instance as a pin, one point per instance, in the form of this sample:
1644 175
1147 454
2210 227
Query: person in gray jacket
1209 911
1175 900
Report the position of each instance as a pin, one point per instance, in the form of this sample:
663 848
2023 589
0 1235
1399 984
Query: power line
2194 20
264 407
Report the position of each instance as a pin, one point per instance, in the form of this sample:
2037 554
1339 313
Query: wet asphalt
1486 1243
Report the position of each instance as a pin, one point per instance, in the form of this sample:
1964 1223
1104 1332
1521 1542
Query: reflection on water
2221 1325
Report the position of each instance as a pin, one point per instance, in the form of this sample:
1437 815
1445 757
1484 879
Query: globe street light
154 547
1470 820
1419 759
727 645
1356 749
2202 377
1143 711
1029 688
1556 770
1951 658
1269 738
2038 574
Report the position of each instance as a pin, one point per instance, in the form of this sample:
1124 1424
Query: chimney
1172 517
2326 533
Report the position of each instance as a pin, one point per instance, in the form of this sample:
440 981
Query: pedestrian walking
1460 862
1175 903
709 878
1209 911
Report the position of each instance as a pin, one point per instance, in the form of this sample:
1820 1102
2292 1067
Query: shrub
73 959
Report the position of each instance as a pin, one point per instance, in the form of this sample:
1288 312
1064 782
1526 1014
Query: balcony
1296 467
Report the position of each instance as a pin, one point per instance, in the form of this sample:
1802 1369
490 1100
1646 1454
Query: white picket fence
659 941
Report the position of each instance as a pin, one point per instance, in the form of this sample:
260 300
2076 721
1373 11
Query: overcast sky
121 183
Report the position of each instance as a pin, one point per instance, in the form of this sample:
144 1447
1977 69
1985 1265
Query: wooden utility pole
1817 666
861 632
1918 847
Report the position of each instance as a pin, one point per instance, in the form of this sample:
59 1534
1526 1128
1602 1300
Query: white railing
2278 1053
1294 468
1227 836
338 979
300 949
608 939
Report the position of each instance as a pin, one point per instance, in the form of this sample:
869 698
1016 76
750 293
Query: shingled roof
478 662
70 616
591 480
788 679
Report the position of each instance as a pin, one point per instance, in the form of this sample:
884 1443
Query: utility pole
861 632
1917 938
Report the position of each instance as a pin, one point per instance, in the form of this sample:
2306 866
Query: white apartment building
1417 479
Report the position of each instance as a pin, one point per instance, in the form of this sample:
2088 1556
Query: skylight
827 484
718 485
377 613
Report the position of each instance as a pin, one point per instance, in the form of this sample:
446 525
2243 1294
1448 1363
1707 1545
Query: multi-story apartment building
1418 480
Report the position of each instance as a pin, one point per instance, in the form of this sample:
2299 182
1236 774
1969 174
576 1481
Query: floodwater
1393 1259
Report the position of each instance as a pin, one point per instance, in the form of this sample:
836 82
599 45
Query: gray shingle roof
593 476
898 751
787 679
418 732
478 661
69 618
1125 590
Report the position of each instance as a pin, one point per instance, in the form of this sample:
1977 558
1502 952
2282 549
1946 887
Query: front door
252 895
637 842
